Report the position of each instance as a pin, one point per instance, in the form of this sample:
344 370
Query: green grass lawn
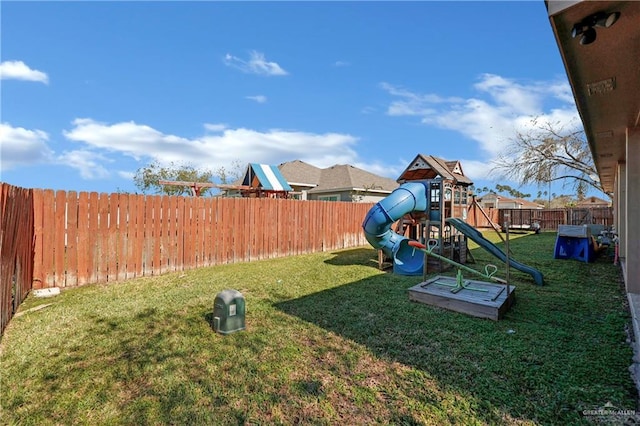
330 339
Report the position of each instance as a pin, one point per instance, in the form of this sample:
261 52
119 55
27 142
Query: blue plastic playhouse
574 242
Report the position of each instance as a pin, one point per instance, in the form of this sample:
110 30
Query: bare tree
546 153
358 196
232 173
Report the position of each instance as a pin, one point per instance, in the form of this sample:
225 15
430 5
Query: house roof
266 177
430 167
501 198
300 173
593 201
340 177
603 76
528 204
348 177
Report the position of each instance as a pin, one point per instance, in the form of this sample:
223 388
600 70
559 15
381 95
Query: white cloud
98 143
18 70
256 64
124 174
261 99
341 64
380 169
501 108
218 127
511 96
410 103
214 150
88 163
23 147
130 138
475 170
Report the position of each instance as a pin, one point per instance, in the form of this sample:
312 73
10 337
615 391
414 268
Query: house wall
508 205
632 214
349 196
372 198
621 206
488 204
301 191
341 196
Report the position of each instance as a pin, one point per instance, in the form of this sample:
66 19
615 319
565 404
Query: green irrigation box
229 312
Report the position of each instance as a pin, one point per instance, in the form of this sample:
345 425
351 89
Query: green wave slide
479 239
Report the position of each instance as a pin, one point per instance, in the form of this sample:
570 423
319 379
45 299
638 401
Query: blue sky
92 91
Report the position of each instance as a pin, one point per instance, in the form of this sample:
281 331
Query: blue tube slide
479 239
407 198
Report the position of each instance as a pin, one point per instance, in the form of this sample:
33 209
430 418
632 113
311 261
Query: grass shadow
534 364
358 256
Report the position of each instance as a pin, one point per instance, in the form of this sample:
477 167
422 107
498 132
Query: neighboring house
496 201
341 182
591 202
301 177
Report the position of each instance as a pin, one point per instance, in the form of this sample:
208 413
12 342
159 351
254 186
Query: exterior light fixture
586 28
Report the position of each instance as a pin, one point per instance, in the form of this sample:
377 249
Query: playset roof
431 167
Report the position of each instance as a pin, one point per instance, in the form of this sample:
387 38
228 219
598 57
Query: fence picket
71 249
139 241
92 237
59 237
113 237
123 236
83 238
102 252
38 266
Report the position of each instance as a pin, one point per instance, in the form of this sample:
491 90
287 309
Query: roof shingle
337 177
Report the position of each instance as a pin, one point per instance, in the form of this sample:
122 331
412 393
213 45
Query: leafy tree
549 152
562 201
511 191
149 177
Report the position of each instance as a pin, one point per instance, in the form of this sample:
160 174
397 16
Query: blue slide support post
407 198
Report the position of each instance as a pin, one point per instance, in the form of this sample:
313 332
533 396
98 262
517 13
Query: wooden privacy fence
16 249
83 238
550 219
66 239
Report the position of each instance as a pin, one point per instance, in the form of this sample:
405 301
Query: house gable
430 167
593 202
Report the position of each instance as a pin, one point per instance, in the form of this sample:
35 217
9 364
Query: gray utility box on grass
228 312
